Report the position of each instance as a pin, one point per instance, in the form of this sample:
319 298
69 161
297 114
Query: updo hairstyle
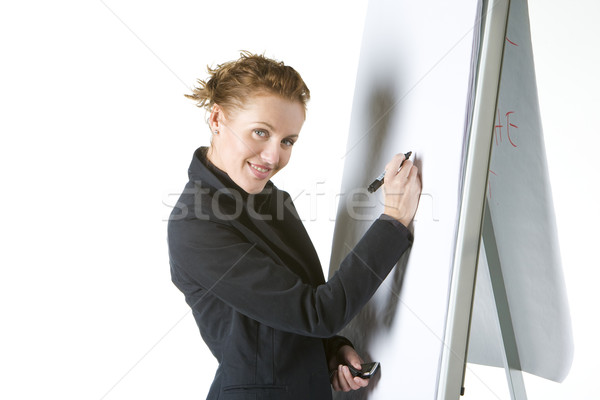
230 84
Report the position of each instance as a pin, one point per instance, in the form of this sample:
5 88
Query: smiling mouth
260 169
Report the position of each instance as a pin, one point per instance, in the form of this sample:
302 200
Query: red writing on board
498 129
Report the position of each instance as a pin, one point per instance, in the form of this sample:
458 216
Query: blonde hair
230 84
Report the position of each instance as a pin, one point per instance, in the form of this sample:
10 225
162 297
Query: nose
270 153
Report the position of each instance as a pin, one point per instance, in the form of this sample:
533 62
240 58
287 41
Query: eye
260 133
288 142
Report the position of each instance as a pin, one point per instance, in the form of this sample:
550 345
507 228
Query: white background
96 140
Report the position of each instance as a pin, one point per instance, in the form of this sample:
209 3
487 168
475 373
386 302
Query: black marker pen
379 180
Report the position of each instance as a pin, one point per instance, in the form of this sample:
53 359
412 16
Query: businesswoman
242 258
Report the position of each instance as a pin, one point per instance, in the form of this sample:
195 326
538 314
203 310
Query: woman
241 256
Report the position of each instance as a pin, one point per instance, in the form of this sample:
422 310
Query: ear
216 117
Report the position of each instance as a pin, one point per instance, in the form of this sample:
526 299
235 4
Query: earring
216 132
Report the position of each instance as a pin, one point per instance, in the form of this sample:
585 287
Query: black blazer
252 277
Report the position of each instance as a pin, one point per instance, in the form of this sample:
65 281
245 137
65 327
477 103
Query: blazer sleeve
218 259
333 344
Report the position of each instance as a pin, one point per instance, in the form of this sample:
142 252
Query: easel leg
512 364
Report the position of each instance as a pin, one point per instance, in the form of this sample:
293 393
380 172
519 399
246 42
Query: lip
257 173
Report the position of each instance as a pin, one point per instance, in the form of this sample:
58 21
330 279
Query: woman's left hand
341 377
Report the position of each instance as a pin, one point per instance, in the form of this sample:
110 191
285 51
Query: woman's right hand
402 189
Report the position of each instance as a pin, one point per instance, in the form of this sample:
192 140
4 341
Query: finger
335 382
391 175
354 359
396 182
406 168
414 177
414 170
349 379
361 382
344 386
392 167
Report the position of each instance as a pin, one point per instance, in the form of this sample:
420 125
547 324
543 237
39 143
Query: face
254 143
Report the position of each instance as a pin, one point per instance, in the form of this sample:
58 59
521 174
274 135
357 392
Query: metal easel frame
475 221
510 352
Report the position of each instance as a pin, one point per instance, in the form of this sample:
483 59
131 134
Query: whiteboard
411 94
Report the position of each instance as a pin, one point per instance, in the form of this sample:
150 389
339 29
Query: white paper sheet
522 212
411 94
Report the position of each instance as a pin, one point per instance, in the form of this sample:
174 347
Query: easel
476 223
510 353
